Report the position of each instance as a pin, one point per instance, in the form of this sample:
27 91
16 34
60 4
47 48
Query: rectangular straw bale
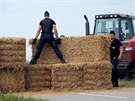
12 50
97 75
38 77
87 49
77 49
12 53
12 80
11 46
12 43
13 40
13 59
48 55
13 65
67 76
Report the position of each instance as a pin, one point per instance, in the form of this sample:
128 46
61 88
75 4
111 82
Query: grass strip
16 98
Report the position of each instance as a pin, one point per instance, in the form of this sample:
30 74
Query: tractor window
134 25
104 26
125 34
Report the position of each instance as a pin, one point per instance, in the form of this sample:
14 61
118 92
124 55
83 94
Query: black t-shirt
115 48
47 25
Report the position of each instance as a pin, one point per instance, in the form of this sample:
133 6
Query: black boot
116 84
63 61
33 61
113 83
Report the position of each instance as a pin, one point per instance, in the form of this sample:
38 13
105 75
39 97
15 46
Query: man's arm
121 51
38 31
55 31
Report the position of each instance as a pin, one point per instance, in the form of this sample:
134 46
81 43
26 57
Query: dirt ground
51 92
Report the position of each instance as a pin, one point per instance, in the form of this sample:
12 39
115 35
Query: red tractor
124 27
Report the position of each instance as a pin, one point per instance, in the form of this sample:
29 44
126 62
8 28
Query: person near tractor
47 26
116 51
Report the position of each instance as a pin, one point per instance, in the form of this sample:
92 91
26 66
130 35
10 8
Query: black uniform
47 36
47 25
114 53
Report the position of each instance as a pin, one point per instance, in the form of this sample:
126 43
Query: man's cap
46 13
112 32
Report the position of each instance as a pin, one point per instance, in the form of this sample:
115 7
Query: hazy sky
20 18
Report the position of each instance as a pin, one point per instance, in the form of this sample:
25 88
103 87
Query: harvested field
77 49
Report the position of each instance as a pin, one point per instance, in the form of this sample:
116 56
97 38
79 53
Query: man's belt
114 57
45 33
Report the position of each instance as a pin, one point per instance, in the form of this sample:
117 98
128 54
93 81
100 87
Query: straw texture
97 75
38 77
67 76
12 63
70 76
12 50
76 49
12 80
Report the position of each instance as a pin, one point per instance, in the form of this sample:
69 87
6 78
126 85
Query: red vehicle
124 27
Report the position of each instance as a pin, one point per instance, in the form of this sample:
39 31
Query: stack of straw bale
38 77
86 76
69 76
12 63
77 49
88 64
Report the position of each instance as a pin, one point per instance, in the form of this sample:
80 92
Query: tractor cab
123 25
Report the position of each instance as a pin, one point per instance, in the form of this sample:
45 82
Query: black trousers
47 38
115 71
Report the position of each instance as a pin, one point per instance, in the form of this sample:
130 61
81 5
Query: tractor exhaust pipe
87 26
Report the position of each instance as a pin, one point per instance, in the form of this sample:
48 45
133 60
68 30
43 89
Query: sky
20 18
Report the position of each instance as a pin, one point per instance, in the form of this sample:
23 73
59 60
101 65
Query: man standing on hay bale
116 51
47 26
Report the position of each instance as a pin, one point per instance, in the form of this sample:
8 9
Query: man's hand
119 57
55 31
121 51
34 41
58 40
